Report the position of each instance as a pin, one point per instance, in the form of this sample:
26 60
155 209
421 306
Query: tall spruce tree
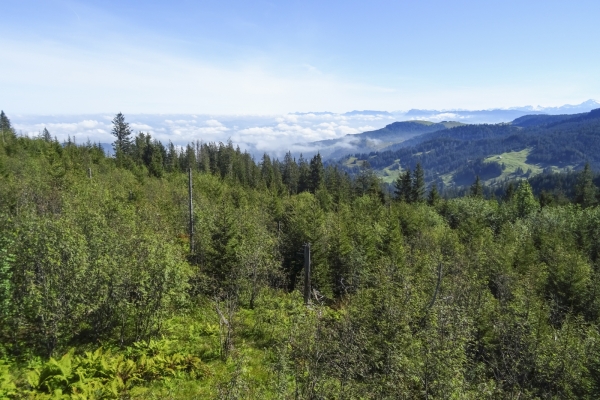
6 129
434 196
418 184
303 175
266 171
122 134
476 188
403 186
46 135
316 173
586 190
290 173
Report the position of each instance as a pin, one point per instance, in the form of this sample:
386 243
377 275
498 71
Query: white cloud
214 122
441 117
140 127
275 134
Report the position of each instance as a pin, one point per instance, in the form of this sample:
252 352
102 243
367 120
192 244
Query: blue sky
261 57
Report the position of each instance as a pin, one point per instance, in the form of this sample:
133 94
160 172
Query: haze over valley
327 132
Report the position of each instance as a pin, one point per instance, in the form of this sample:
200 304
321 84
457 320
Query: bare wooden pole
90 173
191 227
307 288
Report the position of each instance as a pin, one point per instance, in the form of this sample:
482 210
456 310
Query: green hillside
393 134
112 286
454 157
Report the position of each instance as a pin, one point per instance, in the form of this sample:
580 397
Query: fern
7 384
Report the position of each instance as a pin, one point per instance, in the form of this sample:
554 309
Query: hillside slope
377 140
527 146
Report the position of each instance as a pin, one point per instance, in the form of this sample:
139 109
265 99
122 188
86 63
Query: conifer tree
266 171
586 191
316 173
510 192
367 181
122 134
290 173
403 186
4 122
434 196
172 158
152 157
6 129
303 175
476 188
46 135
418 184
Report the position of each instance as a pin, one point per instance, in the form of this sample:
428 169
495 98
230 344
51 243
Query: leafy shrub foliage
101 296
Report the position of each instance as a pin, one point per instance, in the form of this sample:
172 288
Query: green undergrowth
188 361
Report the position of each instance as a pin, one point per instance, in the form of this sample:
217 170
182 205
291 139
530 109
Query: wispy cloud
50 77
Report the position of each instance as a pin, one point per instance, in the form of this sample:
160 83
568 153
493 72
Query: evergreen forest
455 156
110 288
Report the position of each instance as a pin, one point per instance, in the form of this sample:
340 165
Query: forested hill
392 134
114 285
528 146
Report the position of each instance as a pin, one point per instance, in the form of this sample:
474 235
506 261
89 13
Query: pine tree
46 135
152 157
585 191
510 192
6 129
418 184
171 162
367 182
4 122
434 196
122 133
266 171
476 188
303 175
403 186
316 173
290 173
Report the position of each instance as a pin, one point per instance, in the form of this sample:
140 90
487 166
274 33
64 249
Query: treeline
101 296
551 189
287 176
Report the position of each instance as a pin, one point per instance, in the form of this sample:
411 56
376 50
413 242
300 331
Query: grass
351 161
390 174
513 161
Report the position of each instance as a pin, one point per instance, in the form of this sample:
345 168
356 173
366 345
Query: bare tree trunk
307 274
191 209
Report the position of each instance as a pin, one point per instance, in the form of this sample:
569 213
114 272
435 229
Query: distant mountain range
453 156
492 115
414 123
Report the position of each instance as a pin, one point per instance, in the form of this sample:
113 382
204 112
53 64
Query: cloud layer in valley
274 134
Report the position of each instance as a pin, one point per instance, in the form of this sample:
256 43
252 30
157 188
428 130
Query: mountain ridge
525 147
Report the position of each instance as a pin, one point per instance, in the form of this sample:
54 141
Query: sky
66 57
